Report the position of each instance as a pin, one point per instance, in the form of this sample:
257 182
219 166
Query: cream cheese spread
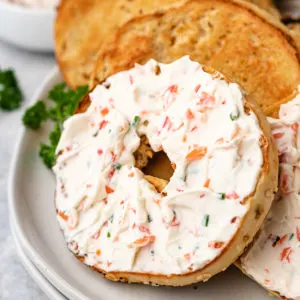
112 216
274 258
36 3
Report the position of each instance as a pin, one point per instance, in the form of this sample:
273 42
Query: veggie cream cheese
274 258
112 216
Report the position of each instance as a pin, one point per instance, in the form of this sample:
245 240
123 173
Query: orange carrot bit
157 201
267 281
295 126
207 183
216 244
98 252
187 256
173 88
144 241
196 154
173 165
104 111
278 135
285 254
96 235
282 239
131 174
108 189
189 114
184 138
220 141
206 99
63 216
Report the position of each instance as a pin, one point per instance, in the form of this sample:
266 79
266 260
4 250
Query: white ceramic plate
40 280
31 194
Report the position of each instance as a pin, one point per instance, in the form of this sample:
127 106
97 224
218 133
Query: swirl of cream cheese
111 215
274 258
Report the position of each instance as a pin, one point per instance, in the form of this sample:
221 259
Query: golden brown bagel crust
83 26
260 202
294 29
243 42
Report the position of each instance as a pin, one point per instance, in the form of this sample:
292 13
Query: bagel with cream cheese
273 258
119 221
236 38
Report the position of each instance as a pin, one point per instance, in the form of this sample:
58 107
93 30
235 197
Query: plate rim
42 282
57 281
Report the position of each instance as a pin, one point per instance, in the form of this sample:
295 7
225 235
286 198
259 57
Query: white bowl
29 28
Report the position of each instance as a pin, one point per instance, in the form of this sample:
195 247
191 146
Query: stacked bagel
176 150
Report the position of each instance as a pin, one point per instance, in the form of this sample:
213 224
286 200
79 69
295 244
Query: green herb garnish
35 115
206 220
10 93
221 196
291 236
111 218
117 166
108 235
136 120
234 116
149 218
65 102
47 152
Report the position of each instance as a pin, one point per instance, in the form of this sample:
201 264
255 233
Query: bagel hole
159 166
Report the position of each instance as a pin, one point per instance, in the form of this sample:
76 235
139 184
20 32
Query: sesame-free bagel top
113 217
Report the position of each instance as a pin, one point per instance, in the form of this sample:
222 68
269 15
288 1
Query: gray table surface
30 68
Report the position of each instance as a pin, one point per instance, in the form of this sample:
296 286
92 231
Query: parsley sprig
64 103
10 93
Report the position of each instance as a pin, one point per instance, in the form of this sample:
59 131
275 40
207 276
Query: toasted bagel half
89 243
83 26
236 38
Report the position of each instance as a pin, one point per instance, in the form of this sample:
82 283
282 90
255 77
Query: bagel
236 38
133 227
295 32
273 258
83 26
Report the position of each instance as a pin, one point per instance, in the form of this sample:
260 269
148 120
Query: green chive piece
234 116
291 236
221 196
152 252
117 166
149 218
206 220
136 120
111 219
108 235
